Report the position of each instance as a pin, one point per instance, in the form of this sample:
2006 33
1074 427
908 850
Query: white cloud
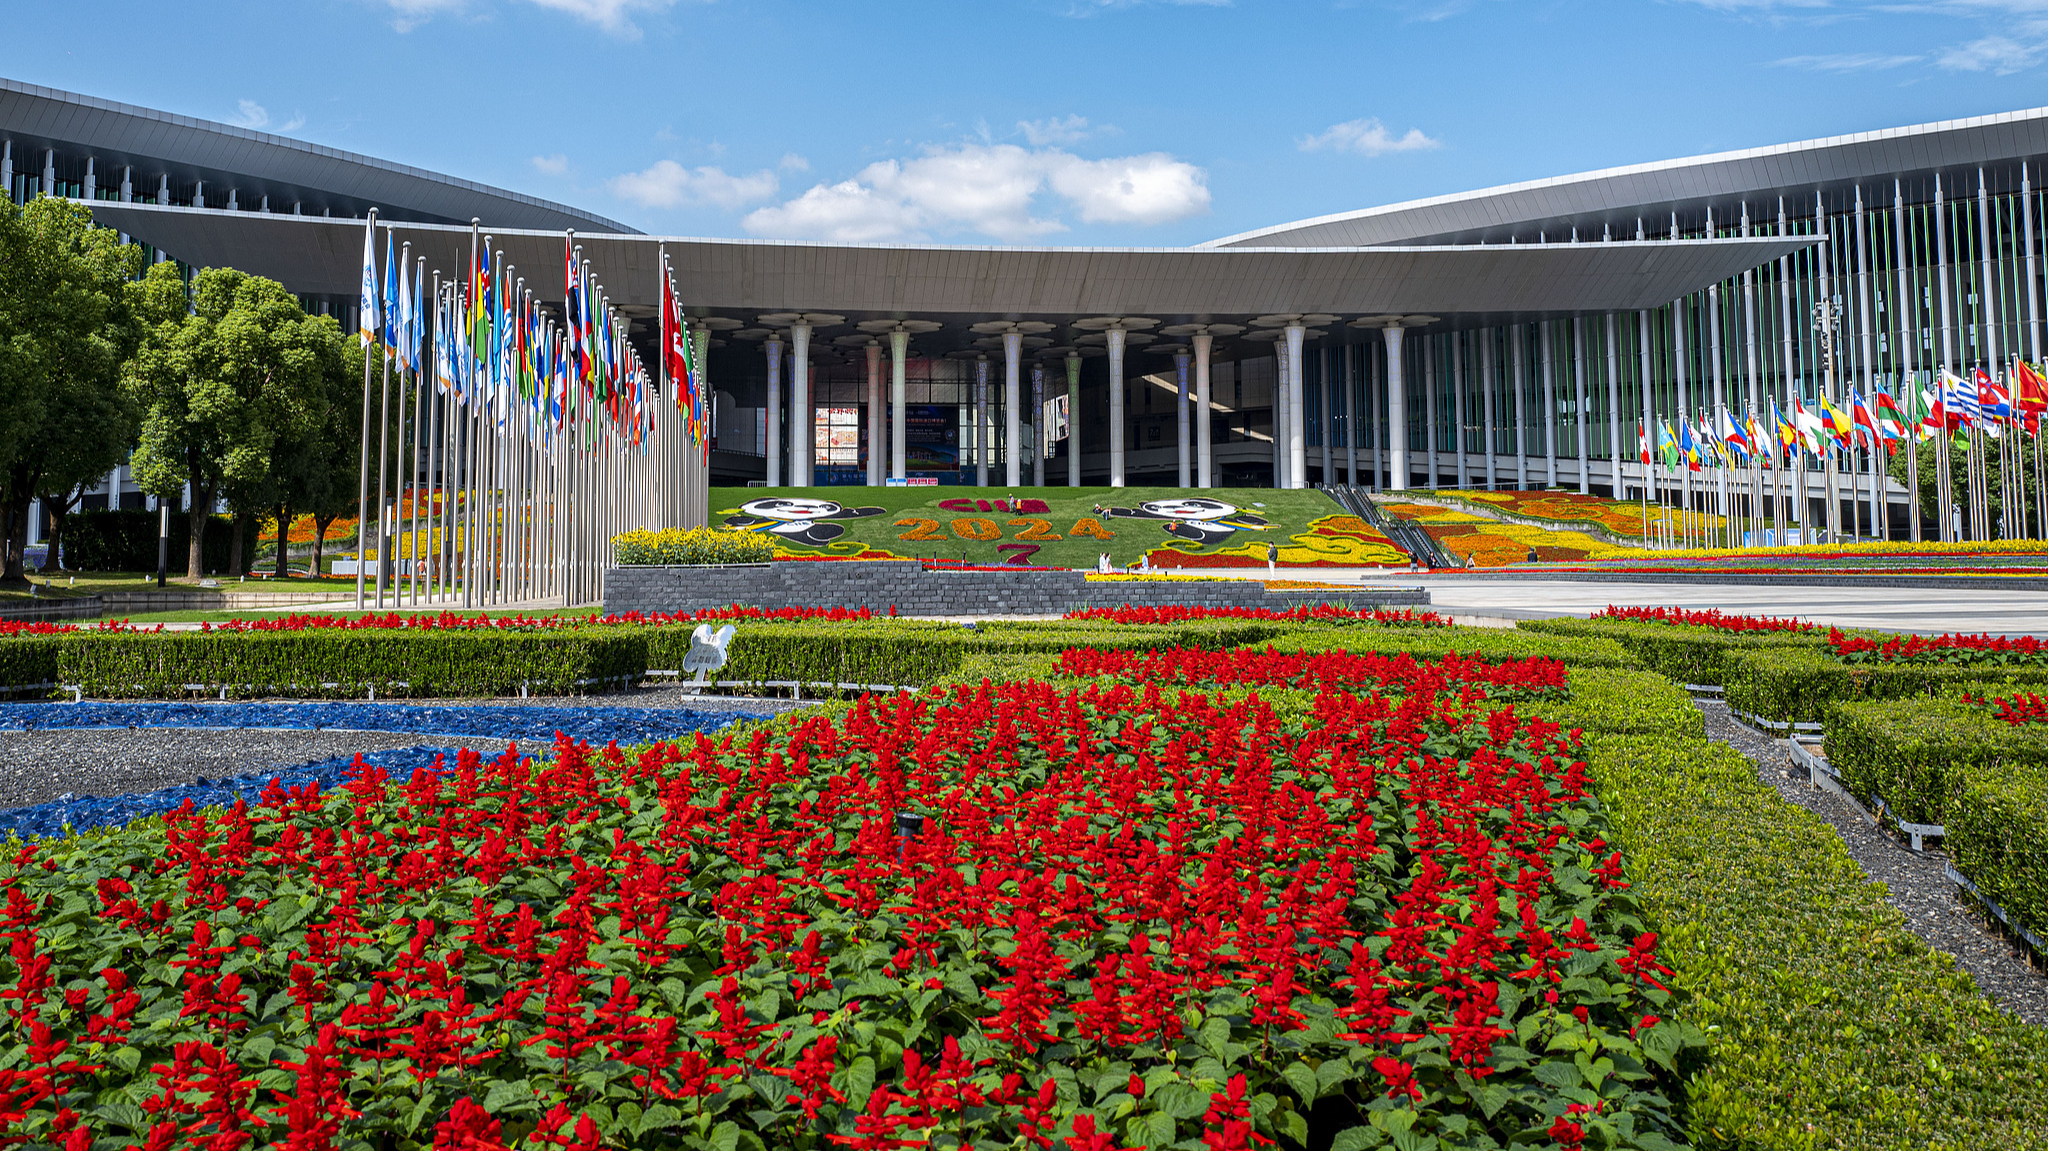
1149 189
554 165
1055 130
614 16
791 162
297 122
848 211
668 184
249 114
997 190
1999 55
1847 62
1367 137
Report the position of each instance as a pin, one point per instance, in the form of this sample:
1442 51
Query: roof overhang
1684 186
324 257
226 156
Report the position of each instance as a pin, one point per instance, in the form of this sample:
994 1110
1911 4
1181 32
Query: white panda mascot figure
1195 518
794 520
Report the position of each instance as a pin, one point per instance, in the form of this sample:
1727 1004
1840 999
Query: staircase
1407 537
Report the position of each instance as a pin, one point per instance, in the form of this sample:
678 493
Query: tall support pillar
1904 309
1013 408
1614 440
803 453
1282 420
982 445
899 428
1461 420
1579 383
1326 418
1205 449
1649 403
1180 408
2033 285
1520 407
1073 419
1037 445
774 413
1297 410
1118 433
1397 410
877 412
1546 333
1348 378
1486 407
1880 505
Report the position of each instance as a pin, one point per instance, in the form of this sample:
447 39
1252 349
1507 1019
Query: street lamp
1827 319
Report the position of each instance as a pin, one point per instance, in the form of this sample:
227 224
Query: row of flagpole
1742 463
535 430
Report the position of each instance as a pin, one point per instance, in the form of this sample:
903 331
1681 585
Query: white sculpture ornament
707 651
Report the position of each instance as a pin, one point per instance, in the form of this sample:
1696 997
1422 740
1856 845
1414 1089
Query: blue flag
366 312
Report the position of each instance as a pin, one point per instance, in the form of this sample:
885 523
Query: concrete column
233 205
1038 425
1614 434
127 184
1180 369
803 452
877 409
982 422
1326 420
92 180
49 185
774 417
1117 432
199 194
1463 417
1282 421
163 189
1521 407
1487 428
1013 408
1073 420
1205 449
899 426
7 169
1397 410
1297 424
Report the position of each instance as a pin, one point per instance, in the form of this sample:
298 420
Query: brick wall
911 590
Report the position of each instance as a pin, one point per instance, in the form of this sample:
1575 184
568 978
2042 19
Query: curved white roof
257 163
1685 186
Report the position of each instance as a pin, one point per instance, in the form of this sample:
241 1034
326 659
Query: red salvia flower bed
1179 614
1958 648
996 916
1703 618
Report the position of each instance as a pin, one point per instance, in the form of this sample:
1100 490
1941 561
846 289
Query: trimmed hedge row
1954 764
1491 643
1689 655
1622 701
1829 1023
322 663
1791 684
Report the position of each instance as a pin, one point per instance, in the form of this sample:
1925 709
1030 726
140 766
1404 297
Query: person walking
1272 556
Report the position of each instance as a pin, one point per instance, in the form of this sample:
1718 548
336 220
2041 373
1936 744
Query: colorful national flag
1991 399
1687 444
1734 436
366 310
1667 444
1891 420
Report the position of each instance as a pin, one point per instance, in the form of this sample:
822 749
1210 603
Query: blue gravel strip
597 725
81 813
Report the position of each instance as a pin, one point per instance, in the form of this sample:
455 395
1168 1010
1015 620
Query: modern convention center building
1508 337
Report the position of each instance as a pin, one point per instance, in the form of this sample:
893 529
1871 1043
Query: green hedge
1998 837
1830 1024
1804 684
1919 755
328 663
1689 655
1622 701
125 540
1492 643
28 661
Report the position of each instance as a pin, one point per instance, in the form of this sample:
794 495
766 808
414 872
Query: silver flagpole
363 499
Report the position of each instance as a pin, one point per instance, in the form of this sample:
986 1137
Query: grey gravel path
1916 883
43 765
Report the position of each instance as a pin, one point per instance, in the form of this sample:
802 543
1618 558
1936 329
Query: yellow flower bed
1113 577
1865 548
691 546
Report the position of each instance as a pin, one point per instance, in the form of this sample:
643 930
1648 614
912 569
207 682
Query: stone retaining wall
913 590
54 608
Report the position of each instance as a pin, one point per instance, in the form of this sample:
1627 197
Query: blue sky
1036 121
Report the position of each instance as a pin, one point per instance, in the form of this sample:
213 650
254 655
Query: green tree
223 384
2021 452
317 474
66 325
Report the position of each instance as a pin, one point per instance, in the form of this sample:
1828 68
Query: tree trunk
320 524
284 541
11 574
57 514
235 538
196 518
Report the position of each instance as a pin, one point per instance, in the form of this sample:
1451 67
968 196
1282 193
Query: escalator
1410 538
